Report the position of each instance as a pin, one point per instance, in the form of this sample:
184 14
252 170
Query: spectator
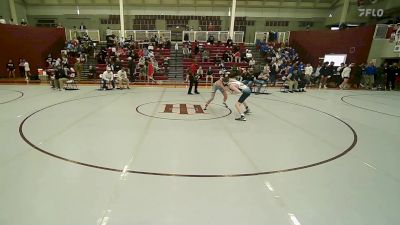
106 78
92 72
27 70
370 72
23 22
199 72
229 42
131 68
209 75
150 71
205 55
248 77
78 69
262 78
324 73
10 68
211 39
392 72
82 27
60 78
2 21
122 77
21 67
345 76
308 70
293 78
186 51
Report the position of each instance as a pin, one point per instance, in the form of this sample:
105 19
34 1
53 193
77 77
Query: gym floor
152 156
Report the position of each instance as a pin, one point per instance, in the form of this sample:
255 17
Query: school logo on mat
183 109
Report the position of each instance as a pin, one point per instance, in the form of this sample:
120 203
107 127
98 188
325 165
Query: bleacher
213 50
158 55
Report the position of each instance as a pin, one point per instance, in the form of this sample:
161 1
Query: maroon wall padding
31 43
355 42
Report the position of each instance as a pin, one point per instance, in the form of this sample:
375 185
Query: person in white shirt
308 70
106 78
27 70
252 62
122 76
346 76
2 21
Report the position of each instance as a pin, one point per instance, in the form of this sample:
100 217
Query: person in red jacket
192 78
150 71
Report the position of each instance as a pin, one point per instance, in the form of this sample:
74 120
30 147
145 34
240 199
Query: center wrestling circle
47 152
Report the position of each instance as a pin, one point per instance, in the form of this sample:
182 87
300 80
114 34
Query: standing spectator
21 67
131 68
78 69
27 70
324 73
345 76
393 71
10 68
82 27
307 73
150 71
370 72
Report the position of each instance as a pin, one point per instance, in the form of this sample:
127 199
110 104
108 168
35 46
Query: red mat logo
185 109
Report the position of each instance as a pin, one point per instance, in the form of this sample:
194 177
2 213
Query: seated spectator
262 79
209 75
60 77
92 72
248 77
211 40
225 56
186 51
249 55
252 62
293 78
107 78
237 57
122 77
199 72
229 42
205 55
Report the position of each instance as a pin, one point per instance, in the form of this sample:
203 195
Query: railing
141 35
93 34
283 37
202 36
